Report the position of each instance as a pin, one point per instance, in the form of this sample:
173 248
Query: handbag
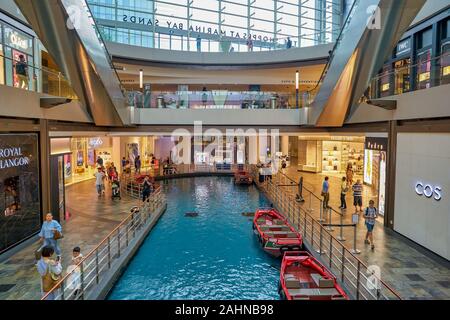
57 235
49 280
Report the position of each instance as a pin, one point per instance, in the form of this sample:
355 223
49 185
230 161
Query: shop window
445 63
385 85
426 38
402 76
424 70
2 64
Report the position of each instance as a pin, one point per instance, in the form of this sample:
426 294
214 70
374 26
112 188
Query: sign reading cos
429 191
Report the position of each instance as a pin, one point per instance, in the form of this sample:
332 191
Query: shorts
357 201
370 227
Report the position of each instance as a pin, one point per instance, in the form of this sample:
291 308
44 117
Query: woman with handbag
50 271
51 232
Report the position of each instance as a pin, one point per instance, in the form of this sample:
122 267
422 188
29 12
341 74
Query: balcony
218 107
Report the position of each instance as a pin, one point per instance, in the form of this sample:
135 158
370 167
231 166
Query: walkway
92 219
411 271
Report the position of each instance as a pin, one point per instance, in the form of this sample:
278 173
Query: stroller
115 188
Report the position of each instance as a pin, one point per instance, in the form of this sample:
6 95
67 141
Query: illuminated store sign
95 142
404 47
18 40
429 191
12 157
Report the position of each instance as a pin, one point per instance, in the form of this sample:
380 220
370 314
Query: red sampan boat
302 277
275 233
242 177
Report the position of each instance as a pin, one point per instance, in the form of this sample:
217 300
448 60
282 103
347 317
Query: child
370 215
74 280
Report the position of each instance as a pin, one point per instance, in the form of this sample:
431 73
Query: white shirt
99 178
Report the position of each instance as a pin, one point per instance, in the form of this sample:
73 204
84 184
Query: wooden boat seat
293 282
322 282
313 292
266 227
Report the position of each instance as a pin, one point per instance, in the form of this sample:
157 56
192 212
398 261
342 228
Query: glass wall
19 188
218 25
16 54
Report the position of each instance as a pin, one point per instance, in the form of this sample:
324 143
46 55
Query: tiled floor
411 272
91 221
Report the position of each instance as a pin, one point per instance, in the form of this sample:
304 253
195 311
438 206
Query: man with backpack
370 214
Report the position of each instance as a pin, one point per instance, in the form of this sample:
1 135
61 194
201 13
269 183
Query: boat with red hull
302 277
242 177
275 233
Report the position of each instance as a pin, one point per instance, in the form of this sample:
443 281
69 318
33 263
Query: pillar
44 150
285 145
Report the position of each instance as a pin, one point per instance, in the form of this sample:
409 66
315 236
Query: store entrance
359 157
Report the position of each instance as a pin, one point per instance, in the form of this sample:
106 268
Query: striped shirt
357 190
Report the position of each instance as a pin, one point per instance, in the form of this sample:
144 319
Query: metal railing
217 99
39 79
360 280
211 44
86 275
132 188
426 74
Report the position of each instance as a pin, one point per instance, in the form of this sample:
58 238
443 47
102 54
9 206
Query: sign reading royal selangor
19 188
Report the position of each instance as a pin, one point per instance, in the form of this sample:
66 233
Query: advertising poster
382 187
368 166
67 165
91 157
133 151
19 188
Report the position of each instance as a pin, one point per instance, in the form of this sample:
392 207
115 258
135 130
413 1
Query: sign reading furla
429 191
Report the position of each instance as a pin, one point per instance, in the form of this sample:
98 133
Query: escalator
67 30
369 34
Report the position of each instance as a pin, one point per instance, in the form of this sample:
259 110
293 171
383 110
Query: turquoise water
212 256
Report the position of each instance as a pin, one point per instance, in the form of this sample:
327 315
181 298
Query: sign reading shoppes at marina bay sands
172 25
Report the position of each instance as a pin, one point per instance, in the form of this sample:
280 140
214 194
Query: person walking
99 181
326 193
50 272
357 195
99 161
199 44
137 164
74 272
50 232
146 189
349 174
22 72
344 189
249 43
123 163
289 43
370 215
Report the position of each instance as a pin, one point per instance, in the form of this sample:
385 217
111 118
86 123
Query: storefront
81 163
402 67
14 46
375 155
20 203
445 52
422 183
331 154
424 55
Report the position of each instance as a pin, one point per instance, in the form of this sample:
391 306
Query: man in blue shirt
326 193
47 234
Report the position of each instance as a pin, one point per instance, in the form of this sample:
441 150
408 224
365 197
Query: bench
313 292
322 282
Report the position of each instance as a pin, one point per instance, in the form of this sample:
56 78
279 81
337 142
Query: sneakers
373 247
366 241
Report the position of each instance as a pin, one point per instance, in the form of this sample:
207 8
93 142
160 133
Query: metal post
343 264
331 250
320 251
341 235
329 228
354 250
82 279
358 276
310 202
126 234
321 219
312 234
118 241
96 265
109 253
